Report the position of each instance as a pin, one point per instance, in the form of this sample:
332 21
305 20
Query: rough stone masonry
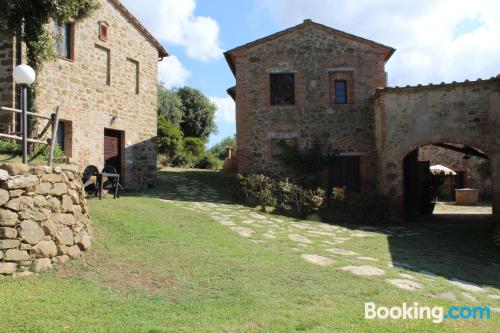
44 217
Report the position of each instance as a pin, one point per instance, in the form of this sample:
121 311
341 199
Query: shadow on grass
450 246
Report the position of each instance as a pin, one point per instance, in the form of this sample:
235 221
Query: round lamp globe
24 74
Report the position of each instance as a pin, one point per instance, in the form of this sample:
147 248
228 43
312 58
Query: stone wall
312 53
411 117
44 218
91 101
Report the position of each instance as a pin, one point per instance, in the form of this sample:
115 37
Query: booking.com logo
417 312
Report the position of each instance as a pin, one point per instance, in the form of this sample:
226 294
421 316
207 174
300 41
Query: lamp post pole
24 76
24 121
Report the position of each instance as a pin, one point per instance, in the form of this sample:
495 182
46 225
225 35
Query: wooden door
346 172
113 149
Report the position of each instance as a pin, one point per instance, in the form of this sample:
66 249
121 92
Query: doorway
113 151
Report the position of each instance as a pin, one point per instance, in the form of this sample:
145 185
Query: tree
198 113
219 149
169 138
27 19
169 105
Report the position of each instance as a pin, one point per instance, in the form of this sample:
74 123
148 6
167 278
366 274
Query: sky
435 40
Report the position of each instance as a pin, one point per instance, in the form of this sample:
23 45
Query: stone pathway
322 245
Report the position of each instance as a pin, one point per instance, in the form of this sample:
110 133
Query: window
133 68
341 87
340 92
103 31
103 64
63 34
64 135
60 135
282 89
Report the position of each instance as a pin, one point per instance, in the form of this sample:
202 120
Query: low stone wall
43 217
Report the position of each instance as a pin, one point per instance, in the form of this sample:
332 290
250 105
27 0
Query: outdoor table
115 177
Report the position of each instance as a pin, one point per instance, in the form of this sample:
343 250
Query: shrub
194 146
9 148
169 138
371 207
288 199
292 200
207 161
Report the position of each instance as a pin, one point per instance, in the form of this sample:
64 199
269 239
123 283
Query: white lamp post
24 76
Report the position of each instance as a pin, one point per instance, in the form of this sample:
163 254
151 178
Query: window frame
344 95
137 74
108 62
67 30
286 100
341 74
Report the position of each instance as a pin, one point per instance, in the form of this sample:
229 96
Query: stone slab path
323 245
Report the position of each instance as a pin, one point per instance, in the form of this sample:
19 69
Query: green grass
155 267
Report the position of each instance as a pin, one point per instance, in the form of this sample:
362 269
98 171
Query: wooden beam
467 150
18 138
3 108
55 124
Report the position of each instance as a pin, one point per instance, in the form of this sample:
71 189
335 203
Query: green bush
194 146
9 148
170 139
288 199
207 161
292 200
370 207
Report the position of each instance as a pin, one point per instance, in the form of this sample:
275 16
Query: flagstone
367 258
300 238
468 286
364 270
244 232
405 284
449 295
342 252
318 260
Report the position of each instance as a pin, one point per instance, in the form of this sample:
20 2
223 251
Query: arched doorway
446 178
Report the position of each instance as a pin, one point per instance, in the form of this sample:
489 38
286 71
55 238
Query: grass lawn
164 266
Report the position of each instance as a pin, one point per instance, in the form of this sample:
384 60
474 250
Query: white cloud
174 22
436 41
225 109
172 73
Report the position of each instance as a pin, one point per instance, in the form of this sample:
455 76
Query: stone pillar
495 181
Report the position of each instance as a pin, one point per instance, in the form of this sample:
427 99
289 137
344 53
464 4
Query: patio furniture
113 178
90 179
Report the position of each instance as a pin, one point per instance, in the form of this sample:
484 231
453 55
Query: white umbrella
442 170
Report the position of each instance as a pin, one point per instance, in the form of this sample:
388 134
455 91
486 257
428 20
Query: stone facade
313 53
378 124
460 113
107 83
43 217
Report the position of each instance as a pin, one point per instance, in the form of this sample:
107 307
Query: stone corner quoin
44 218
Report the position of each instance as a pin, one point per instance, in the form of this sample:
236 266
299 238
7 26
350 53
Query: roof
308 23
135 22
419 87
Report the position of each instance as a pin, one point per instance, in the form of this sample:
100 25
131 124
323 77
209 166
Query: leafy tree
219 149
194 146
169 138
169 105
28 20
198 113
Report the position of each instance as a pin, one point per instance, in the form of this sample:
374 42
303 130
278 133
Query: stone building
314 84
105 82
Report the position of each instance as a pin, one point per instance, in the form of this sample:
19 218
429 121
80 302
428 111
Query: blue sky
438 40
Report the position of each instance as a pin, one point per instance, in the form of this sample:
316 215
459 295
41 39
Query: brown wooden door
113 149
346 172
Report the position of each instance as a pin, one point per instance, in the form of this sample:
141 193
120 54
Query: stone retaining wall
43 217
